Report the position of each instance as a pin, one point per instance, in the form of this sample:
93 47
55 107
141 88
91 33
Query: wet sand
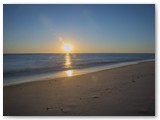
124 91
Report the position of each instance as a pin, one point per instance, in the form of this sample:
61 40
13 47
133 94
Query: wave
39 77
60 67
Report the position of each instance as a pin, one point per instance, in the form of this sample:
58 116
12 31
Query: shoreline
36 78
123 91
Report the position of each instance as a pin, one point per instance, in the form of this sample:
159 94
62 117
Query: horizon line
91 53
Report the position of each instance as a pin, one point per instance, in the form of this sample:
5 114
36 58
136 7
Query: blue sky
89 28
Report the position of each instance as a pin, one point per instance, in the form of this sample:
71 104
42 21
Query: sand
124 91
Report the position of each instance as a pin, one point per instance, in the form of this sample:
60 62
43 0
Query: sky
95 28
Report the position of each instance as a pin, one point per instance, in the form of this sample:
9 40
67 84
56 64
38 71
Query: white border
81 2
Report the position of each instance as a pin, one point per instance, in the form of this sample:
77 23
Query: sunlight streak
67 61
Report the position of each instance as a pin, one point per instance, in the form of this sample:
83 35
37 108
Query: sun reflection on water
69 73
67 64
67 61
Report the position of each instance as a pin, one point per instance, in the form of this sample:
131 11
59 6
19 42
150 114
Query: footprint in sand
143 111
68 107
109 92
95 96
108 89
72 105
48 108
133 81
65 110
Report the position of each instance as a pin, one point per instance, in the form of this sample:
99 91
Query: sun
67 47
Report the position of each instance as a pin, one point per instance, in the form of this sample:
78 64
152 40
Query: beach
122 91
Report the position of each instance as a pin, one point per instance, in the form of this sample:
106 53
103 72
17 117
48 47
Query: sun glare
67 47
69 73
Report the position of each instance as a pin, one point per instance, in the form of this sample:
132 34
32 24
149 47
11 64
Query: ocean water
24 66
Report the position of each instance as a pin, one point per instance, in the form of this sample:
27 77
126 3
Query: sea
21 68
